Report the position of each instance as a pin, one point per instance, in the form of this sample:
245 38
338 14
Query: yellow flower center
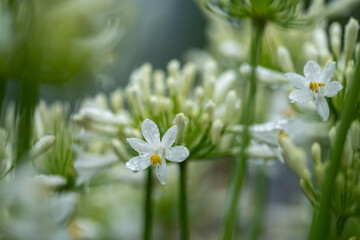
155 159
315 85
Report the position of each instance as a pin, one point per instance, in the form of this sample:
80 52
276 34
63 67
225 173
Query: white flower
153 152
316 85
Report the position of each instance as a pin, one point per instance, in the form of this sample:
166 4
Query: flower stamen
315 85
155 159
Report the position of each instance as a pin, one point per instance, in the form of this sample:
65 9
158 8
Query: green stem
238 173
27 102
2 95
183 208
148 206
322 217
260 199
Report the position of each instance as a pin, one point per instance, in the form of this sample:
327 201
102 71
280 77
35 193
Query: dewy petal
332 88
312 71
169 137
323 108
138 163
296 80
150 132
161 172
139 145
300 96
177 154
327 73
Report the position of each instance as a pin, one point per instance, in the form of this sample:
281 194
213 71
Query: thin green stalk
28 98
2 95
238 173
321 219
260 199
148 206
183 207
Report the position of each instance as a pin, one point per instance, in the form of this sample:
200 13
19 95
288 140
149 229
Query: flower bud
310 50
355 135
216 129
284 60
351 33
120 150
210 109
209 86
171 84
199 93
307 190
230 106
159 78
117 101
41 146
180 122
101 101
187 77
335 38
349 73
294 156
346 157
316 153
223 85
264 75
173 68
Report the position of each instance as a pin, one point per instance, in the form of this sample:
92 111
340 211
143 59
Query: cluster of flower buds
199 101
347 188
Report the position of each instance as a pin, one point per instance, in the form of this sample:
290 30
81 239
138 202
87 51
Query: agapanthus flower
316 85
154 152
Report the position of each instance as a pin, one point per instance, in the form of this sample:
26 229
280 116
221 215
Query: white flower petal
161 172
300 96
139 145
327 73
312 71
177 154
296 80
169 137
332 88
150 132
139 163
323 108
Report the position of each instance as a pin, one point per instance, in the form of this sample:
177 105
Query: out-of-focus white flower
316 85
154 152
87 165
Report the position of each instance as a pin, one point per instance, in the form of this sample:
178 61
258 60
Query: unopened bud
210 108
41 146
171 84
346 157
101 101
335 38
230 106
117 101
316 153
284 60
199 93
209 86
223 85
173 68
180 122
188 77
307 190
311 52
216 129
351 33
159 78
120 150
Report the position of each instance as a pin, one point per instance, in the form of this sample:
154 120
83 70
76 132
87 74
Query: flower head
154 152
316 85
